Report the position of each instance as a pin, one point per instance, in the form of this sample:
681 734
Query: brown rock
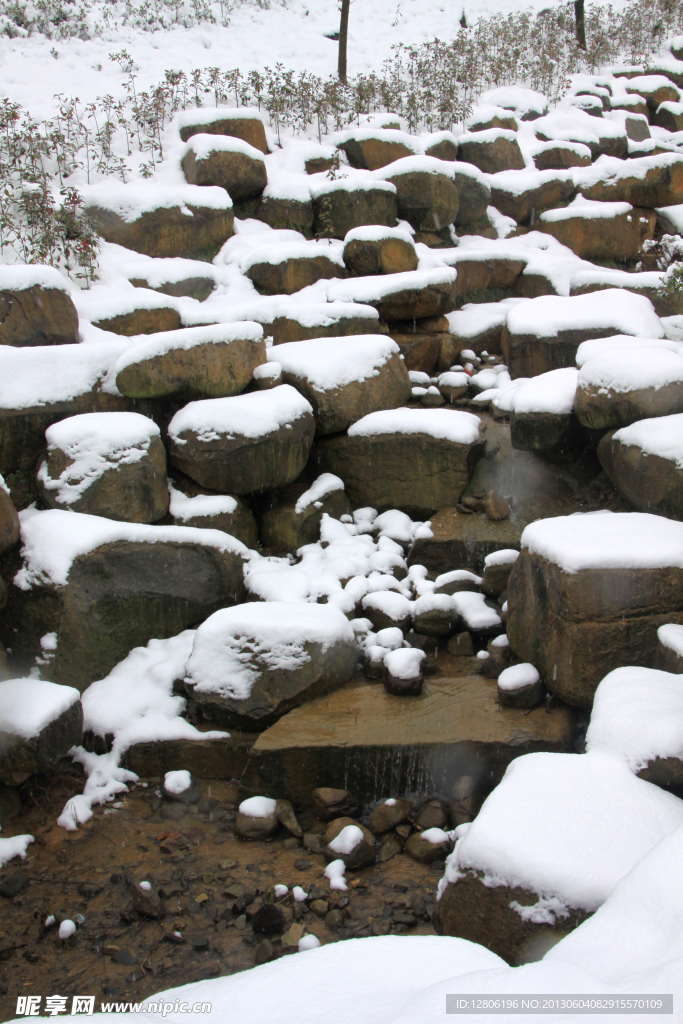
558 156
431 815
496 506
390 847
324 321
389 814
618 238
281 212
444 148
479 273
329 804
428 201
549 190
655 90
423 851
285 526
235 519
335 827
379 256
371 149
338 207
36 315
649 182
142 321
460 645
292 274
251 828
491 151
466 799
482 914
548 432
362 855
649 482
196 286
460 539
605 408
20 757
9 520
238 168
669 116
147 902
249 129
474 195
284 813
168 231
419 351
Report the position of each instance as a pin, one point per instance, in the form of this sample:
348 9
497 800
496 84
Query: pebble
123 956
13 885
302 864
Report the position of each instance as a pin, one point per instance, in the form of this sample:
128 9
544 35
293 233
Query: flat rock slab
463 541
376 744
204 759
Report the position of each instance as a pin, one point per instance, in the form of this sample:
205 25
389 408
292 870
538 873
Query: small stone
269 919
408 919
496 506
431 815
173 811
404 830
334 803
202 898
241 922
464 802
286 816
147 902
460 645
122 956
418 907
313 842
200 945
320 907
293 934
423 851
334 920
264 952
391 847
292 843
13 885
302 864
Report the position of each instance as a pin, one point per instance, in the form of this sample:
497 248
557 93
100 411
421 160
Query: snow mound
632 369
552 392
459 427
132 200
252 415
258 807
404 663
27 706
517 676
620 344
329 363
187 338
614 308
662 436
607 540
181 507
574 825
638 714
47 374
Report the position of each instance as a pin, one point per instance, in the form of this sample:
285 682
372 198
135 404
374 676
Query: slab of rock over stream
252 663
374 743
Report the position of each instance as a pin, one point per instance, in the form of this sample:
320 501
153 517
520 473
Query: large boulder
600 231
638 714
9 520
544 333
558 156
425 190
110 464
650 283
189 505
602 137
644 461
412 459
542 413
132 312
283 205
287 268
372 148
573 826
298 321
344 379
339 206
39 723
43 384
491 151
623 384
413 295
524 195
245 444
242 123
105 587
648 181
153 219
377 250
35 307
655 90
214 361
474 196
227 162
294 519
253 663
478 271
588 593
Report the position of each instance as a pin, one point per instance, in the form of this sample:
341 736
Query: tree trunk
580 23
343 32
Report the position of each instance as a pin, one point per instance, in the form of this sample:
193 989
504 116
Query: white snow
475 318
671 636
473 609
13 846
614 308
395 606
552 392
177 782
504 557
31 275
252 415
94 443
347 840
187 338
281 890
373 289
299 894
586 209
329 363
283 251
308 942
207 115
52 540
574 824
638 714
66 929
268 371
415 164
27 706
517 98
405 663
458 427
662 436
517 676
181 507
607 540
376 233
621 344
234 646
47 374
457 576
132 200
335 871
326 483
325 314
631 369
258 807
435 836
203 145
356 183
